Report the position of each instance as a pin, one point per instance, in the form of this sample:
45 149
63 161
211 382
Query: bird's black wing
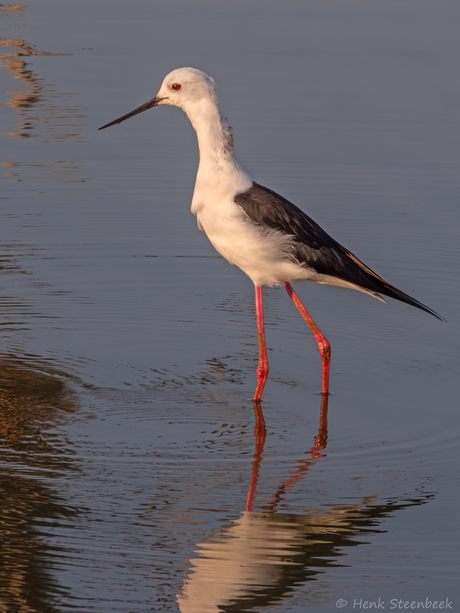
312 245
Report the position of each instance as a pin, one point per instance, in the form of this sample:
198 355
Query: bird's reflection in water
258 558
33 395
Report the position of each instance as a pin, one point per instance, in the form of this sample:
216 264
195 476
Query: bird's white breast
262 253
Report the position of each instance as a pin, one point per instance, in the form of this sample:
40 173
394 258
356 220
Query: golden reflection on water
38 115
33 395
30 395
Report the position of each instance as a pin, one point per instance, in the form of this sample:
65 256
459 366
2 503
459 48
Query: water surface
131 476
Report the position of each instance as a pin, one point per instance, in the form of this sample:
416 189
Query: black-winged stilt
262 233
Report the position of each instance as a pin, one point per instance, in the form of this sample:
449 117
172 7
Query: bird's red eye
176 86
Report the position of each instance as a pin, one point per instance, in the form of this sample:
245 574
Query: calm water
129 348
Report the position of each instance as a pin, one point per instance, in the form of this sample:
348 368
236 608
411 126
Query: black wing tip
413 302
438 316
431 312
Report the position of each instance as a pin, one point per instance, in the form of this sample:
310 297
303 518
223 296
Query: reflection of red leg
259 429
262 369
304 465
323 345
321 437
260 440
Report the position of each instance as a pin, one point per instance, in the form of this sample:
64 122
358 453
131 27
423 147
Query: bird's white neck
214 135
218 169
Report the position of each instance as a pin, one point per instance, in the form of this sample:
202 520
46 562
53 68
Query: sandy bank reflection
33 397
33 394
259 557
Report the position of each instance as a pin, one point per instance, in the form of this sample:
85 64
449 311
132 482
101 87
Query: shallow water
130 473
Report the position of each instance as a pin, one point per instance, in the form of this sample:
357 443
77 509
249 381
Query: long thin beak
148 105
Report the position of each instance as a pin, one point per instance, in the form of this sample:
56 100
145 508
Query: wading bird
270 239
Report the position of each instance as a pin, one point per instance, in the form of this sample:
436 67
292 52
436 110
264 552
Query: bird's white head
186 86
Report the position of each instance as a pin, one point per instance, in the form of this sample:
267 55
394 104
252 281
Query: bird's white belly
263 254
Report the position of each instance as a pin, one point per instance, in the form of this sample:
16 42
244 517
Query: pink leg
262 369
323 345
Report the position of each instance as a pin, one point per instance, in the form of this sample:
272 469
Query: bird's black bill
148 105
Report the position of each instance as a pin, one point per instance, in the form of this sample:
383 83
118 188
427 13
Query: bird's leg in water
262 369
323 345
